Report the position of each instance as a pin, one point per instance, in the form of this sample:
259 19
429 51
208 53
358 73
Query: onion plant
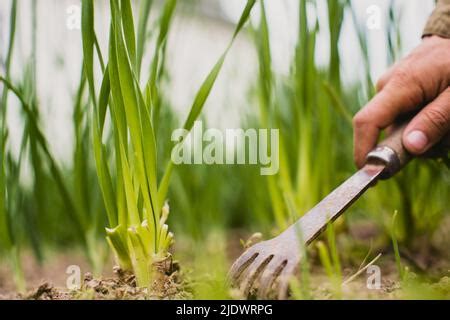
132 191
37 211
8 241
305 107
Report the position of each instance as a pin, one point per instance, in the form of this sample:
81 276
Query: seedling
133 195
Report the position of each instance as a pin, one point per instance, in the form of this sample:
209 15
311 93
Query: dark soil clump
120 286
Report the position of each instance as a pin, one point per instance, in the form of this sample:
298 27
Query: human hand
419 84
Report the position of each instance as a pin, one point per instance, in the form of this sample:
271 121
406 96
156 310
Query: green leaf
128 31
117 240
131 196
157 66
6 239
203 93
129 93
77 219
103 174
144 10
88 38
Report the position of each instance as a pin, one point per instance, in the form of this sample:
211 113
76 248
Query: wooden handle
391 152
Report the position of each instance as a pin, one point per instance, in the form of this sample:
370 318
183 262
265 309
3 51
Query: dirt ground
48 281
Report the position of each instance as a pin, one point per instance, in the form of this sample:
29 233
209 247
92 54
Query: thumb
429 125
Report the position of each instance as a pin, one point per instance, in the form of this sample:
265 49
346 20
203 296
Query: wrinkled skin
417 85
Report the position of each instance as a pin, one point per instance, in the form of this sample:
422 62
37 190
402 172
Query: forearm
439 22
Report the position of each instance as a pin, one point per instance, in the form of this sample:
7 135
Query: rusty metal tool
278 258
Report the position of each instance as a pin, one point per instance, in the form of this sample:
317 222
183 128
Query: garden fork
261 265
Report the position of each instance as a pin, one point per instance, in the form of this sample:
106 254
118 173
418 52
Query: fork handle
391 152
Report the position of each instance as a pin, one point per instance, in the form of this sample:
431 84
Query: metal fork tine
271 272
284 277
251 274
241 264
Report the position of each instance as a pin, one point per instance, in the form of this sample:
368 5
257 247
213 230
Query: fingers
429 126
384 79
411 83
400 95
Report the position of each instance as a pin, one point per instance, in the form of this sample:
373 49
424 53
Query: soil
48 281
121 286
37 274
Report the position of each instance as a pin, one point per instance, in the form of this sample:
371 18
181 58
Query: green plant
395 246
305 106
207 282
134 198
8 241
38 211
330 261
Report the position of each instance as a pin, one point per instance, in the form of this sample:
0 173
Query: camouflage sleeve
439 22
